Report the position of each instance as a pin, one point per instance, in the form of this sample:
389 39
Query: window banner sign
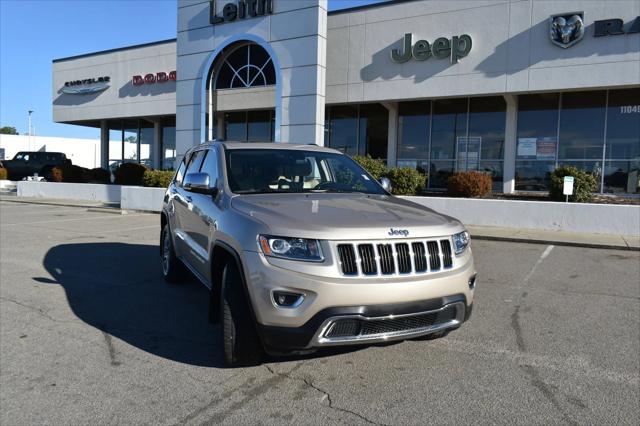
468 152
527 148
546 149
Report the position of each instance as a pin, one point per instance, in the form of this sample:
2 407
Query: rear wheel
240 342
172 268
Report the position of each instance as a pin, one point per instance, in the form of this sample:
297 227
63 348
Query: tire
172 268
240 342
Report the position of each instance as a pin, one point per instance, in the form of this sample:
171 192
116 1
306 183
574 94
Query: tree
8 130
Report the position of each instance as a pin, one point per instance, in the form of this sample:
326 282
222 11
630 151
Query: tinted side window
210 165
195 162
180 173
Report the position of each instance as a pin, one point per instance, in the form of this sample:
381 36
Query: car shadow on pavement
118 288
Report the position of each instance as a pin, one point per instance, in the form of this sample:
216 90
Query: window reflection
582 125
413 130
358 129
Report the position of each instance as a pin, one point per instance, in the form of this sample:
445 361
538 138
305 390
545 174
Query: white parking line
543 256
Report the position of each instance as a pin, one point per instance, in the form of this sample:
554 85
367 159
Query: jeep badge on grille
402 232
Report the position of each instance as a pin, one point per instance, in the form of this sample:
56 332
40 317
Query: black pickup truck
27 163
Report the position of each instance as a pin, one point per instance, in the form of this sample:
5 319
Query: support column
156 148
104 144
392 133
220 126
510 145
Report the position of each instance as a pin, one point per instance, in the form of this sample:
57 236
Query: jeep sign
456 48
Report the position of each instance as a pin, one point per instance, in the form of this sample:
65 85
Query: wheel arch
221 254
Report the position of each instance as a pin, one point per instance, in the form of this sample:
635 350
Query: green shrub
584 184
97 175
376 167
157 178
68 173
129 174
3 173
406 180
469 184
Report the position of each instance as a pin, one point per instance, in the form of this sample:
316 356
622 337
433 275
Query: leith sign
441 48
242 9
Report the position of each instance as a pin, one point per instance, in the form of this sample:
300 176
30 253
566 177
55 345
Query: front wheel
240 342
172 268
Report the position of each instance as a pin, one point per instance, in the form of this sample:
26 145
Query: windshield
259 171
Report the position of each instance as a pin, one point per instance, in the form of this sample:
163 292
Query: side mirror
386 184
199 183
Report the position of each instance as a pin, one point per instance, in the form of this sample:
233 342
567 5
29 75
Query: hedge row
475 184
76 174
125 174
404 180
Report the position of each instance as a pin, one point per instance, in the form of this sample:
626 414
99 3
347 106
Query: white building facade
513 88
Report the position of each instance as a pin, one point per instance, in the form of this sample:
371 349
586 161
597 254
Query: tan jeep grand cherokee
301 249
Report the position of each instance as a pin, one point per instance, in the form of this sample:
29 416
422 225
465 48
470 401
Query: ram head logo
566 30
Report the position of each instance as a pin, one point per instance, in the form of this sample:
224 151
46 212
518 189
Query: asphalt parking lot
90 334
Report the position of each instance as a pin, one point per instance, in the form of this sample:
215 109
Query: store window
145 147
168 151
413 131
247 65
581 133
449 135
250 126
358 129
622 163
115 144
343 128
536 143
596 131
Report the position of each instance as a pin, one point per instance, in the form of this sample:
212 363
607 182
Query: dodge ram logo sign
567 29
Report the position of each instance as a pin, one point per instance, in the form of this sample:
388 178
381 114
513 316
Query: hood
344 216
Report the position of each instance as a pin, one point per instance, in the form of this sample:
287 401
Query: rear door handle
188 198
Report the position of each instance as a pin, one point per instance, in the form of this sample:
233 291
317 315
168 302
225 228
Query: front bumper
328 299
314 333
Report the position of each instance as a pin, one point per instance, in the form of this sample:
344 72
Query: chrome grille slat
347 259
420 258
387 264
368 264
395 257
404 258
447 258
434 255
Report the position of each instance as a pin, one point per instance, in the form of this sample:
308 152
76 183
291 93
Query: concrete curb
554 242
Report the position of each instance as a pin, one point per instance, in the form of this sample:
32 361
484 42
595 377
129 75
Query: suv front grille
418 257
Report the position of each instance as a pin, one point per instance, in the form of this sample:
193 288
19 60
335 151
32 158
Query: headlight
461 241
291 248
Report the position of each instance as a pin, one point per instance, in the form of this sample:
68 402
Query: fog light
472 282
287 299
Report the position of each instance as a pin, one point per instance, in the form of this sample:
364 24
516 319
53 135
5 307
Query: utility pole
29 130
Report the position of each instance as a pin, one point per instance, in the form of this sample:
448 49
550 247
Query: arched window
247 65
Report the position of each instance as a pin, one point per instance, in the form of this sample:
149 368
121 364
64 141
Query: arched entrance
241 92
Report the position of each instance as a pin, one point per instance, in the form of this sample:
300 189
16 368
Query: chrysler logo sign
567 29
86 86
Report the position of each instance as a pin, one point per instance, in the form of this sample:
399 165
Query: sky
33 32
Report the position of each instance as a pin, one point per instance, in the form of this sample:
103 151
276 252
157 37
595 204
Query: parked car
27 163
302 249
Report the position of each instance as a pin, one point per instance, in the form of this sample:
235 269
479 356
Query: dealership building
513 88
